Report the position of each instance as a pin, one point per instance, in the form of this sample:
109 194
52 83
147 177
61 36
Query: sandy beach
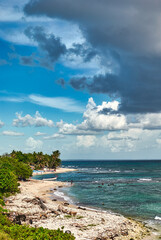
58 170
40 209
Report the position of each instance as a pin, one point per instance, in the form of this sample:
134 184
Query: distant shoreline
53 171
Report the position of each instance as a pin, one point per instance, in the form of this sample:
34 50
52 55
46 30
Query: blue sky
82 77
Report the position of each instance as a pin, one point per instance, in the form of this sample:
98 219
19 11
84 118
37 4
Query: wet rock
124 233
54 211
73 213
30 221
43 216
66 204
68 231
82 208
21 217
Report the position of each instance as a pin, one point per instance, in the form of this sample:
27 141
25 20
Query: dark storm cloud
130 30
83 50
48 43
138 87
27 60
129 25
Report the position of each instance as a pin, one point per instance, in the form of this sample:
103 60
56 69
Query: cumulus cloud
1 124
96 119
39 134
86 141
54 136
33 144
28 120
127 32
150 121
71 129
12 133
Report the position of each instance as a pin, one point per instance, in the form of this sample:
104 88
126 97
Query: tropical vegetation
17 166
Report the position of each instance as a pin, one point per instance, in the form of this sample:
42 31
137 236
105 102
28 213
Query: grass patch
67 216
79 217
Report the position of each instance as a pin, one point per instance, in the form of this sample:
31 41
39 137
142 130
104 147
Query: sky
82 76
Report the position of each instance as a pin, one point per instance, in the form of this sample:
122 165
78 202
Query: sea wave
157 218
144 179
61 195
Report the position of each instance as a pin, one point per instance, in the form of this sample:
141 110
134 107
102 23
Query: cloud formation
124 31
96 120
47 43
28 121
39 134
12 133
86 141
1 124
54 136
63 103
33 144
107 117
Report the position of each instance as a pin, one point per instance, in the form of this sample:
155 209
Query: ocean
131 188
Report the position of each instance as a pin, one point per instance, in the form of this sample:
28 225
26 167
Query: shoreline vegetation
33 210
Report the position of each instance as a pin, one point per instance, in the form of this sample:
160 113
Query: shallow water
131 188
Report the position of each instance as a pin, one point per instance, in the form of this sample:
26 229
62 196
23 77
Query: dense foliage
17 166
38 160
14 232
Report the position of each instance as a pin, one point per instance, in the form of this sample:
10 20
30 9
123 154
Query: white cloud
86 141
28 120
63 103
96 120
147 121
39 134
12 133
1 124
102 117
33 144
71 129
132 140
55 135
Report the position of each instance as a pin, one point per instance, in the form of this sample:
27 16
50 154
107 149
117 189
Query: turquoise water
131 188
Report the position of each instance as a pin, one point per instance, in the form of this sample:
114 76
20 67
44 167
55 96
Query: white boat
49 179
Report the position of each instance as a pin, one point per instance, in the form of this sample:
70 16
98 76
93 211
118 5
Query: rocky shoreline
33 206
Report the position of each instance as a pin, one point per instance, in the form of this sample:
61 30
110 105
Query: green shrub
4 236
8 182
22 170
20 232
